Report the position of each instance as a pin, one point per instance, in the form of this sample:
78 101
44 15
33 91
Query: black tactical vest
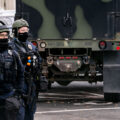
8 67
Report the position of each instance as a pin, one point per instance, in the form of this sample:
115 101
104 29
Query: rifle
33 75
30 70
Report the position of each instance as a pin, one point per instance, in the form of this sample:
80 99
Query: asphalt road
77 101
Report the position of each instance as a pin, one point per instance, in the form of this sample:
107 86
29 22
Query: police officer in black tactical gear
31 60
11 80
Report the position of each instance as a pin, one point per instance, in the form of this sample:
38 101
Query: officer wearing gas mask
11 80
27 52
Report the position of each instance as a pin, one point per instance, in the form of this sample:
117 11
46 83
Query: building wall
7 4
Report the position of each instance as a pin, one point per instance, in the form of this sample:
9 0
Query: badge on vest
30 46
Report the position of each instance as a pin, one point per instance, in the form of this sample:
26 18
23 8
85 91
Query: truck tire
64 83
112 97
49 85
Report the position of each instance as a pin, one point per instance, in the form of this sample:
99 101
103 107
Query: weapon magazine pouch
10 75
11 69
1 72
10 109
12 103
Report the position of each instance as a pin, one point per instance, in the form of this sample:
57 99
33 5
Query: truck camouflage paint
78 19
77 39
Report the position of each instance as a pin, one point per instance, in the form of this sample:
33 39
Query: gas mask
23 36
3 43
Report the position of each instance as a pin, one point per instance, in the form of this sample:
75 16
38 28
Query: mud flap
111 72
111 75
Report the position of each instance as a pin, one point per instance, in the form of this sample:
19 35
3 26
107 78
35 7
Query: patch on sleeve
30 46
10 52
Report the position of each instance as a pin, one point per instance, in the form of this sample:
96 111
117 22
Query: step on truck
78 40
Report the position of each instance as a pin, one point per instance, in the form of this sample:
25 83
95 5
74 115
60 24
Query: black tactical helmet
3 27
3 41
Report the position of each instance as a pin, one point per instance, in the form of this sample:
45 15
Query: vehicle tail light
102 44
68 57
118 48
74 57
34 43
61 58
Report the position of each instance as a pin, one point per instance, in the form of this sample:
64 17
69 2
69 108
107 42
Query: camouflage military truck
79 40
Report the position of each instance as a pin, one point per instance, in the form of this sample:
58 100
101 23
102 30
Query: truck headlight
42 44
